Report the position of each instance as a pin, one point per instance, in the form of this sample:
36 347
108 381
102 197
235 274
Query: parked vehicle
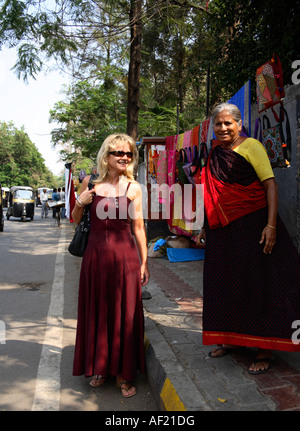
1 211
21 202
49 193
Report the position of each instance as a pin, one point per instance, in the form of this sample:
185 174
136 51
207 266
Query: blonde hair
110 144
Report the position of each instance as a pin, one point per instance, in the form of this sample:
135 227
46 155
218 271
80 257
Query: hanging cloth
162 167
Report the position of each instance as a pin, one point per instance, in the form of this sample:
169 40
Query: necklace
115 191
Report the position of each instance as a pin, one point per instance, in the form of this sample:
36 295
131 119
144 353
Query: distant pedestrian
44 202
55 198
63 199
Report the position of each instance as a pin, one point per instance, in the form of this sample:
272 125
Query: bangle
79 202
272 227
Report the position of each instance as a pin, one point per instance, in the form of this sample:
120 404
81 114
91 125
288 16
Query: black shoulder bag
79 242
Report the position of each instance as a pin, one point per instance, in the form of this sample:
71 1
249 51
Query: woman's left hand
145 275
269 237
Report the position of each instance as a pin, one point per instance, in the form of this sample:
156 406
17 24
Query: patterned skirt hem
270 343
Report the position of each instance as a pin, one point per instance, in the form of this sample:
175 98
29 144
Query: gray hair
232 109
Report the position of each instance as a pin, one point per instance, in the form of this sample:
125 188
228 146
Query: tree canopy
20 161
140 63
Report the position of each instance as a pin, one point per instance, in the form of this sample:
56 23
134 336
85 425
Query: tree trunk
133 99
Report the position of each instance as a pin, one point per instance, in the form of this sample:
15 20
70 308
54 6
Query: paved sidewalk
180 372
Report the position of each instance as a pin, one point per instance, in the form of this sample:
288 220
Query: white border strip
47 390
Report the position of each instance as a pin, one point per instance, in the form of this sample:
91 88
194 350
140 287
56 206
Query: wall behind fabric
287 179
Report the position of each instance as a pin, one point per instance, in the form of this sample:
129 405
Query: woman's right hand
86 196
201 238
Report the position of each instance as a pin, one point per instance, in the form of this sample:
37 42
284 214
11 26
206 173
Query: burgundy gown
110 327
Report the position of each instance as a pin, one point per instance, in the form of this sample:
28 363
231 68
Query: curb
172 387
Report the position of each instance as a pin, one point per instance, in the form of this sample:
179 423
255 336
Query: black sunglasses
129 154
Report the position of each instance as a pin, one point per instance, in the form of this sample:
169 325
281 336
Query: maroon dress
110 327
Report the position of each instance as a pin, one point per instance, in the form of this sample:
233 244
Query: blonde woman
110 328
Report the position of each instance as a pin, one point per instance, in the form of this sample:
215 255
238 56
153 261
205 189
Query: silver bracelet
80 203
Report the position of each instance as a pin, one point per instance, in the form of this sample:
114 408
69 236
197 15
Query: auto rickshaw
49 193
1 211
21 202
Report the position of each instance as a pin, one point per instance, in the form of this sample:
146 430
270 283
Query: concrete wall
287 179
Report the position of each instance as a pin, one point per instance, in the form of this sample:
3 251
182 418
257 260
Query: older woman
252 269
110 329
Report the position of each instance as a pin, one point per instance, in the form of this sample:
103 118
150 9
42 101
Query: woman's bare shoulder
134 189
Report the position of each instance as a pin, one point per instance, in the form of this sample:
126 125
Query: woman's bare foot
222 350
97 381
127 390
262 362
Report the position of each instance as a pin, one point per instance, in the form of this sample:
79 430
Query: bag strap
267 121
92 178
90 186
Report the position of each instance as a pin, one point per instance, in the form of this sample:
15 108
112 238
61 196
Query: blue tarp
158 244
185 254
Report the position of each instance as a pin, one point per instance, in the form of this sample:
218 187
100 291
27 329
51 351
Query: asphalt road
38 306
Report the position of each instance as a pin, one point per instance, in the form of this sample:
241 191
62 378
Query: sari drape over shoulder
250 298
232 188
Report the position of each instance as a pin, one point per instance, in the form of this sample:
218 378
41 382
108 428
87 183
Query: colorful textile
162 167
180 140
171 167
187 139
195 136
269 84
204 130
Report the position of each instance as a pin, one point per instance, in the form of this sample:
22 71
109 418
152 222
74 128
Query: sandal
127 390
269 361
97 381
223 351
